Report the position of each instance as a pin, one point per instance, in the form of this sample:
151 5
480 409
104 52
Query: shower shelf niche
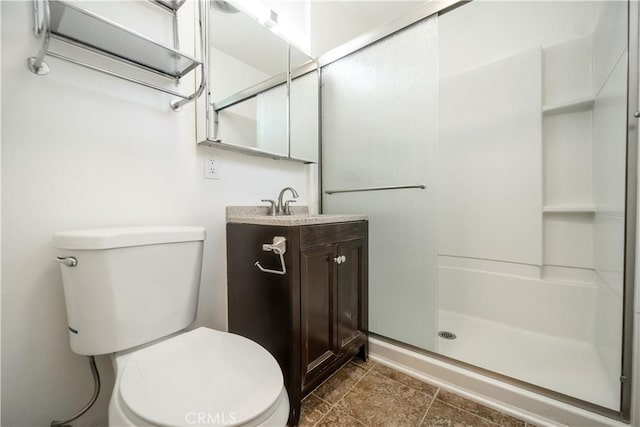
73 25
571 106
568 209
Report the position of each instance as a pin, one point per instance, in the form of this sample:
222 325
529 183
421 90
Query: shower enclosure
488 145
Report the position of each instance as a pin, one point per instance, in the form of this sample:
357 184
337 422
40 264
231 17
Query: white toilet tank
129 286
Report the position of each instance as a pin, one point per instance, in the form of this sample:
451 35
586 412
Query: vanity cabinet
331 278
313 319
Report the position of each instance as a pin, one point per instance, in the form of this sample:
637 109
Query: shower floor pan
567 366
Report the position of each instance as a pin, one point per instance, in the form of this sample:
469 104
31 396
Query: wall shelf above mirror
262 96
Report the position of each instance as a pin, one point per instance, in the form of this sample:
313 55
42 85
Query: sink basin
300 216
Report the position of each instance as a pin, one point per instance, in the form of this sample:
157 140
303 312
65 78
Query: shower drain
447 335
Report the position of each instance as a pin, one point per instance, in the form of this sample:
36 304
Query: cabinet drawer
327 234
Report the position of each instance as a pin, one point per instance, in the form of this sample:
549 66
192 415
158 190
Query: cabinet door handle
344 258
338 260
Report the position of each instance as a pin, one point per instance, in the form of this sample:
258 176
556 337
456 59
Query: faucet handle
272 208
287 208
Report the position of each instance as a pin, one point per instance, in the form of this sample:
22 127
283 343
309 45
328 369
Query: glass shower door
380 128
531 191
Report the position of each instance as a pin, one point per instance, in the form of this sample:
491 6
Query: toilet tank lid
109 238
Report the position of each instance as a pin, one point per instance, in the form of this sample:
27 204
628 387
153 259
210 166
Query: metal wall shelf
82 28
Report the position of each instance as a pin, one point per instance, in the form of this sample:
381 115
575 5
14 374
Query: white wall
80 149
467 42
294 21
348 19
229 75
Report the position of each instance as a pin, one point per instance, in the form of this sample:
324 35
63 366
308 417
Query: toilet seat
202 377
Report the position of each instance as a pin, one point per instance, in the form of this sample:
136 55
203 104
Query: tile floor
369 394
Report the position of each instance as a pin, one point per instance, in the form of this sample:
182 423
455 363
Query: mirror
251 106
305 116
245 54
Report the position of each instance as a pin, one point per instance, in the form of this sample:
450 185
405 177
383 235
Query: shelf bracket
177 105
41 18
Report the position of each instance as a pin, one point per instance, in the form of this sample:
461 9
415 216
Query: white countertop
258 215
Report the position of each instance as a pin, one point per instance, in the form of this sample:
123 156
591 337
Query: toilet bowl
130 293
198 378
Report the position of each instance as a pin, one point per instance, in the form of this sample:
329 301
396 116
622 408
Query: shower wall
535 186
490 153
519 235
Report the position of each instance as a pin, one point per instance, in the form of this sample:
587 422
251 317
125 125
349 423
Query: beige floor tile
380 401
479 409
312 410
365 365
441 414
337 418
367 394
406 380
340 383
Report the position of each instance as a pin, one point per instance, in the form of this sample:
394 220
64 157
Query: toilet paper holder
279 247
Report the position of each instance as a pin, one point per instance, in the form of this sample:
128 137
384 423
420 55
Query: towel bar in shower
55 19
389 187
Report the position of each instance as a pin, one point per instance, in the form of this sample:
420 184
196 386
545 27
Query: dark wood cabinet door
318 280
350 283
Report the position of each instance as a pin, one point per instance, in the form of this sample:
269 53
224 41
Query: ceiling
333 23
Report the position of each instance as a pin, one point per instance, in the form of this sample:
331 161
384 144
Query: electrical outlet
211 167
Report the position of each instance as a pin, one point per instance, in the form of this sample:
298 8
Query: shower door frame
628 312
633 110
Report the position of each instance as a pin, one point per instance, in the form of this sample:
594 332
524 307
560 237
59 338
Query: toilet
131 292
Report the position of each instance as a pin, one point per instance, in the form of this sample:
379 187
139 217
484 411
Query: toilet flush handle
69 261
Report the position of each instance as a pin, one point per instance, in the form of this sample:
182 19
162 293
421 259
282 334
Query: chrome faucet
284 209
